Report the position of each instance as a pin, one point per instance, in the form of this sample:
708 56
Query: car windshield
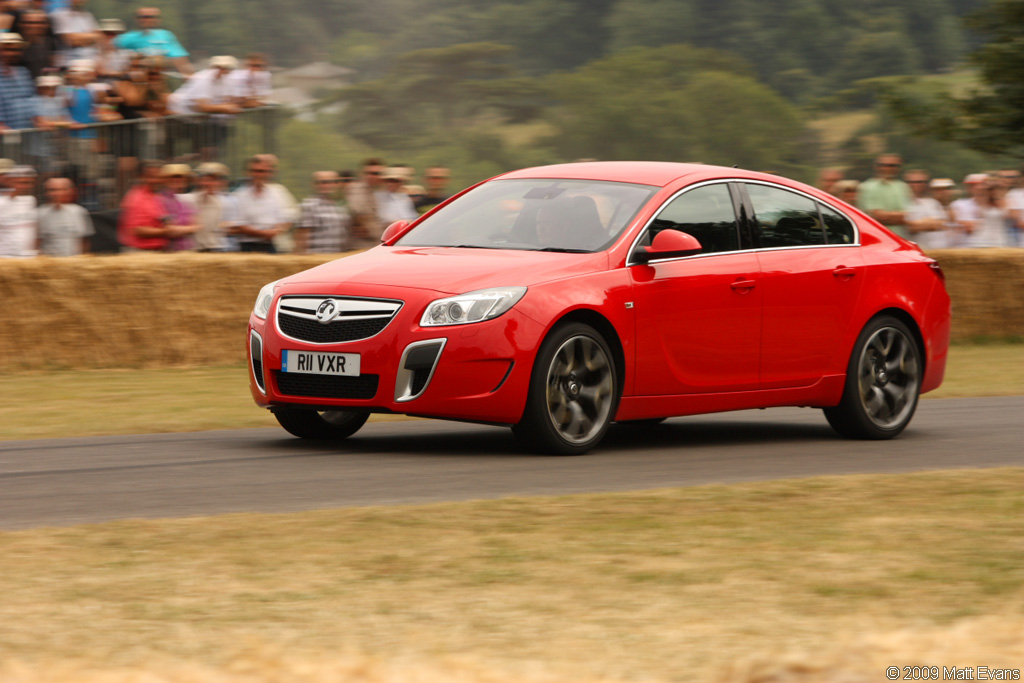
536 214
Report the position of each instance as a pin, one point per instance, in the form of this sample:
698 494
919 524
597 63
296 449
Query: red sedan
560 299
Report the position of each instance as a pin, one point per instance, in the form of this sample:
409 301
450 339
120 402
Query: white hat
224 62
81 66
49 81
12 38
942 183
973 178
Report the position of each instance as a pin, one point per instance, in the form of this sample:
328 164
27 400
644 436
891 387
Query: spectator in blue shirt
152 40
17 89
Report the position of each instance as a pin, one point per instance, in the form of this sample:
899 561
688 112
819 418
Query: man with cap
393 202
323 225
18 215
885 197
927 219
112 62
17 89
77 30
152 40
64 227
967 211
215 210
208 91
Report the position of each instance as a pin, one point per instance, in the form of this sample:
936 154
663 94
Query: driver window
706 213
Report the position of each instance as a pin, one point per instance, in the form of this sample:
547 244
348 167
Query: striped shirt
17 97
327 222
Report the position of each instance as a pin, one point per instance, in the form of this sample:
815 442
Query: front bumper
476 372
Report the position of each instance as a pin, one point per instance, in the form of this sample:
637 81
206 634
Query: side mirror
668 244
394 232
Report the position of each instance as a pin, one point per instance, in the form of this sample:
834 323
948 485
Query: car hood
450 270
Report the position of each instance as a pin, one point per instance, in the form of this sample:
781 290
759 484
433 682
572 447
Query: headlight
263 301
472 307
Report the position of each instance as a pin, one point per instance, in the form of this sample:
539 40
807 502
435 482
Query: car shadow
472 441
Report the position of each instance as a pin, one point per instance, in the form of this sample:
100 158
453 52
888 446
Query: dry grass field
827 579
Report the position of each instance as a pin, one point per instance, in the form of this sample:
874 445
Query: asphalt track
60 482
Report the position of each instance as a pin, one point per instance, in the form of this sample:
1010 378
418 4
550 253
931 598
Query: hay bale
152 310
987 289
138 310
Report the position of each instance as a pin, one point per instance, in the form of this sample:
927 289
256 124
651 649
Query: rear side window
706 213
785 219
838 227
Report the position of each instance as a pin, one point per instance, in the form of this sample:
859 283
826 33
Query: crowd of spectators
173 207
934 212
62 71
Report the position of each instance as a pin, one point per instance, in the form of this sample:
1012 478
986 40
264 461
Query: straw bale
987 289
160 310
138 310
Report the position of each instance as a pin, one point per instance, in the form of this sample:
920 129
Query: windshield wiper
563 250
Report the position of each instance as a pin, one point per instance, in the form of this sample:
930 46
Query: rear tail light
937 269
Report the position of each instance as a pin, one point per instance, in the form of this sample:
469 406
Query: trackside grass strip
93 402
837 576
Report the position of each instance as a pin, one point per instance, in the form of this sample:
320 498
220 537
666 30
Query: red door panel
698 324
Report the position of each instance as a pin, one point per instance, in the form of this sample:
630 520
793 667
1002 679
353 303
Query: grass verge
94 402
699 584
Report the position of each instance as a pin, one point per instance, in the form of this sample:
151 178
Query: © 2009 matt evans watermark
951 673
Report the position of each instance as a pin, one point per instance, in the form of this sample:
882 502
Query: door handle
744 285
844 273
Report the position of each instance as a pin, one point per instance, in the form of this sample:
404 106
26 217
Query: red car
560 299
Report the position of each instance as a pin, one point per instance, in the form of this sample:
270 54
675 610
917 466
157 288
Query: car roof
657 173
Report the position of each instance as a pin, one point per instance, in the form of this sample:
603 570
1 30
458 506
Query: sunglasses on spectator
326 182
148 16
916 182
373 173
889 165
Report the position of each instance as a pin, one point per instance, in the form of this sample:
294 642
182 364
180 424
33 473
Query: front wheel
321 424
883 382
573 394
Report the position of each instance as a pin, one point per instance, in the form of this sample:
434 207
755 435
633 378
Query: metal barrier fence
103 158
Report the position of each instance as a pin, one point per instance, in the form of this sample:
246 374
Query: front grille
332 333
353 319
326 386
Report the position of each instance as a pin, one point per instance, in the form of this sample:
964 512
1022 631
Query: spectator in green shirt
885 197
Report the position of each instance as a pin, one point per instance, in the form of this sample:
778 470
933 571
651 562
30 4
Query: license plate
320 363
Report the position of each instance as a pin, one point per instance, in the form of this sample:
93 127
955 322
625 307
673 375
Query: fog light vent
417 368
256 354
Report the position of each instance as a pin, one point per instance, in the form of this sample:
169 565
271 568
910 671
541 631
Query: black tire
883 382
573 394
321 425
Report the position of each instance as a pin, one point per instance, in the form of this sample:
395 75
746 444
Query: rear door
811 277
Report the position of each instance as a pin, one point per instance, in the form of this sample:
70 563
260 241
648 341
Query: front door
698 319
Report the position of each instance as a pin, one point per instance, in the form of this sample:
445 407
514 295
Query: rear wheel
883 382
573 394
321 424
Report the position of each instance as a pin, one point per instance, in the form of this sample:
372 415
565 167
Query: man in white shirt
78 31
64 227
1015 203
967 211
926 219
393 202
261 215
18 215
208 91
251 86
